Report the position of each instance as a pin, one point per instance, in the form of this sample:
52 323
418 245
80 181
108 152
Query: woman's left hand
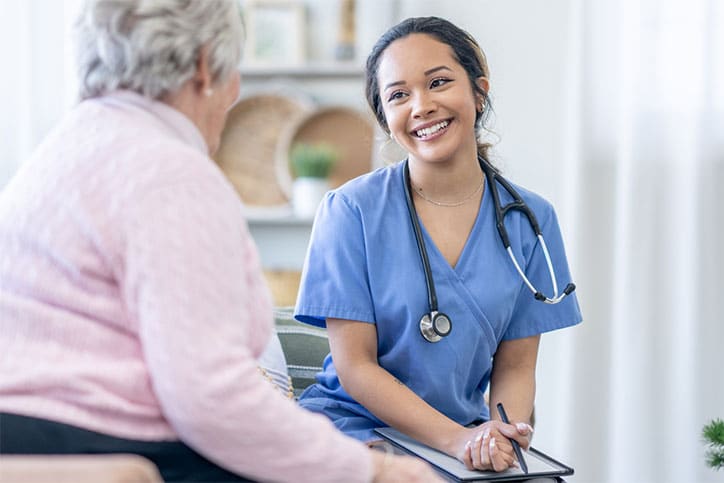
490 448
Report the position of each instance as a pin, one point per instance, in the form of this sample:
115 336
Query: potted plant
713 434
311 165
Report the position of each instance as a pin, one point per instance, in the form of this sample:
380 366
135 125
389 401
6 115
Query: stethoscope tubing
492 176
431 294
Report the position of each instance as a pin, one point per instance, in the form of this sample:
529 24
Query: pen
516 446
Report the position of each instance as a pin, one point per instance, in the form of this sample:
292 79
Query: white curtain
633 386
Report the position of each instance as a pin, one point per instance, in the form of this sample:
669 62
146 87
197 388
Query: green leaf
313 160
713 434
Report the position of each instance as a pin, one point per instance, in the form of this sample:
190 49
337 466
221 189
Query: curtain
629 391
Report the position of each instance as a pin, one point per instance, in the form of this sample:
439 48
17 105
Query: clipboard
540 465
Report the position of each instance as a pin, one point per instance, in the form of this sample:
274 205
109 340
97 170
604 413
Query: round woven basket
249 144
348 131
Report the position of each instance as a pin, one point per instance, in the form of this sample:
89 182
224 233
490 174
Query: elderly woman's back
127 279
97 231
132 306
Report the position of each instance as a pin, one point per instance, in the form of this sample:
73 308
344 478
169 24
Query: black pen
516 446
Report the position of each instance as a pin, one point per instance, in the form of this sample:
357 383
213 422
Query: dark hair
465 49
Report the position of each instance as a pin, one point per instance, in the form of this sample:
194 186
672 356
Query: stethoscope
435 325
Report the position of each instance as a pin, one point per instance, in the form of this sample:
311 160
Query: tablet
539 464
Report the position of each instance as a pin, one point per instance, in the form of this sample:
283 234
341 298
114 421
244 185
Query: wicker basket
348 131
249 145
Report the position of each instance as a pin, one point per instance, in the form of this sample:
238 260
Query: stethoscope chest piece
434 326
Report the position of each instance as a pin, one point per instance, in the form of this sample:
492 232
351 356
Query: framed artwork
275 32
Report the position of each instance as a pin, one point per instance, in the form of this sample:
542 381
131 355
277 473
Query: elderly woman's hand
393 468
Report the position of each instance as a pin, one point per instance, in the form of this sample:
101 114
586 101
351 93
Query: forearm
512 381
515 388
247 427
398 406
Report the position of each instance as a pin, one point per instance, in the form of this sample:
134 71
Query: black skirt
175 461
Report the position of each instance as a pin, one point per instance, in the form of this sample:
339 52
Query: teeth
429 131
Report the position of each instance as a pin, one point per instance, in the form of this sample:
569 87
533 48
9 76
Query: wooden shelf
281 237
278 221
281 240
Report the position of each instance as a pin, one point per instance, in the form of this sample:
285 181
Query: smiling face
427 99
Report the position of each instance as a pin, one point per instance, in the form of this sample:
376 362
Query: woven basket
349 131
249 145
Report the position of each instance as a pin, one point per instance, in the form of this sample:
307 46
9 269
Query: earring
208 92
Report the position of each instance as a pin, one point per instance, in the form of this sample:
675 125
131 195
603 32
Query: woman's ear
202 77
483 84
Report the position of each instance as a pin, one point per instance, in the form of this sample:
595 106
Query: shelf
283 221
317 70
281 216
281 240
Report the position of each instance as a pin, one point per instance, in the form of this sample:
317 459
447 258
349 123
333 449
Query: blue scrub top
363 264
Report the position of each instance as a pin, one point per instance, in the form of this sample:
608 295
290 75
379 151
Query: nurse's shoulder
372 189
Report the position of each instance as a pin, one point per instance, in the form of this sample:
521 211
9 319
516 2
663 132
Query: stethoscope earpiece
434 328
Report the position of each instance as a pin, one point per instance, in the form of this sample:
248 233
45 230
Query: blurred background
611 109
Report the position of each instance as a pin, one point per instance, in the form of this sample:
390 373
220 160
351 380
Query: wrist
380 461
453 441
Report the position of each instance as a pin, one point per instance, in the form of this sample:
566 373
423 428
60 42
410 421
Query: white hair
152 46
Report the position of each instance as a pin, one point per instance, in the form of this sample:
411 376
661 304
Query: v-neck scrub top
363 264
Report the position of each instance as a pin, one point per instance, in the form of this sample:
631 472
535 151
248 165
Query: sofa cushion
305 348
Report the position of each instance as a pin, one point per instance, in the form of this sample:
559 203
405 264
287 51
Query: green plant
312 160
713 434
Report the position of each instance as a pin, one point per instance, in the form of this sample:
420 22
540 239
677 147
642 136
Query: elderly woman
132 308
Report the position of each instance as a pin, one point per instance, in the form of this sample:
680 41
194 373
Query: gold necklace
454 203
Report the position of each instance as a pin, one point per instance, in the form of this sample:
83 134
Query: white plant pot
307 193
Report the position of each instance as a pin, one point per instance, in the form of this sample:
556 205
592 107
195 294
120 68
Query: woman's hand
488 447
392 468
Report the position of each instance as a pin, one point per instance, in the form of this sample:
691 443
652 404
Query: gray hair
152 46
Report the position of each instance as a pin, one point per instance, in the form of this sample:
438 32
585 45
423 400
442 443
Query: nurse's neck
445 181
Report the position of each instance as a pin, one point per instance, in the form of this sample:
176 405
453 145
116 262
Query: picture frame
275 32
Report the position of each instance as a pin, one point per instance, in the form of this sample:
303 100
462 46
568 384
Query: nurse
427 82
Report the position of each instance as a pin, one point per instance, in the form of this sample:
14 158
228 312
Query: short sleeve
530 316
335 281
